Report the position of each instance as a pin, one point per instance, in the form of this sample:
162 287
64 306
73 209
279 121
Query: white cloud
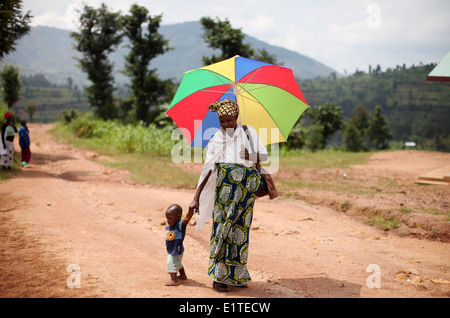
261 25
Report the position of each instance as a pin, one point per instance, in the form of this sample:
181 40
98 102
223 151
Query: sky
346 35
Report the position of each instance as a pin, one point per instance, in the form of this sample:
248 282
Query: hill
417 110
50 51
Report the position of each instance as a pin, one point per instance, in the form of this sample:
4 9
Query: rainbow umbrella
268 96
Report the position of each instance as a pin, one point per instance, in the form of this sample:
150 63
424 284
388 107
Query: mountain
50 51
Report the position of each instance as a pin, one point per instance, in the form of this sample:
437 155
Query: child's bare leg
182 274
174 281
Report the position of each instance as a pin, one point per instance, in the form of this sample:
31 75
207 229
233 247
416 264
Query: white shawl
223 148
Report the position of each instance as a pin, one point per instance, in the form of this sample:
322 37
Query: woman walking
7 150
226 192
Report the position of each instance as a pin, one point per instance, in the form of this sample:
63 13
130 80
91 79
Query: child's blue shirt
174 238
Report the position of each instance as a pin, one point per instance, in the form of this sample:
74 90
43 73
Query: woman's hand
244 153
194 206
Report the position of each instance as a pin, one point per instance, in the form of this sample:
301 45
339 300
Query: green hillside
50 101
417 110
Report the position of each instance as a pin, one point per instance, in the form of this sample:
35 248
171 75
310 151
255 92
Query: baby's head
173 214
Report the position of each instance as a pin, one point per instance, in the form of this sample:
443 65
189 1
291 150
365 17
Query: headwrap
225 107
7 115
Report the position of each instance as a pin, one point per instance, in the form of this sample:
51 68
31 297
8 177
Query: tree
329 116
315 139
11 85
352 138
220 35
360 119
13 25
30 108
355 132
296 139
264 56
99 35
69 82
379 131
144 46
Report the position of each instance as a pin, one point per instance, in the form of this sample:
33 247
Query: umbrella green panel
198 80
270 107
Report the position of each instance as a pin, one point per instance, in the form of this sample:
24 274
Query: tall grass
145 151
131 138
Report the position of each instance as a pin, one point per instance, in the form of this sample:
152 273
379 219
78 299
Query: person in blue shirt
175 233
24 142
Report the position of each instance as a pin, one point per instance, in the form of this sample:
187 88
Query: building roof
441 73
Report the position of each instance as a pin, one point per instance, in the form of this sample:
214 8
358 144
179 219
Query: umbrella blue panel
229 95
206 131
245 66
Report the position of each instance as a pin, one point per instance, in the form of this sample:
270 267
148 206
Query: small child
175 232
24 142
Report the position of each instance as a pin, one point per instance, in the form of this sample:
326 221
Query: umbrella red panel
187 111
276 76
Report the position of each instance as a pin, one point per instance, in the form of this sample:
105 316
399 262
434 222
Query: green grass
437 212
6 174
323 159
340 187
382 224
389 183
153 170
405 210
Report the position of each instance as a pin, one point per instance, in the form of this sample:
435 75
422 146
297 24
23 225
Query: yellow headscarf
225 107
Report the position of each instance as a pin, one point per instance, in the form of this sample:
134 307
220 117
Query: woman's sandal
221 287
242 286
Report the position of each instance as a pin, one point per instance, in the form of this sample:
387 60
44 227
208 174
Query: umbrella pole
241 109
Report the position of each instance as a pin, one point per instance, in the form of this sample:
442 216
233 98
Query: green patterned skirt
236 189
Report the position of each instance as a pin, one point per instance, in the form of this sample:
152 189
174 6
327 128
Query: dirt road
67 217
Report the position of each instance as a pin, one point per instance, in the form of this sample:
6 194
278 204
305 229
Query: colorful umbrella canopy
268 96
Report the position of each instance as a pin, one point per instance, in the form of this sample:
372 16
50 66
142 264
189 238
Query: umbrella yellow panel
225 68
283 107
253 114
